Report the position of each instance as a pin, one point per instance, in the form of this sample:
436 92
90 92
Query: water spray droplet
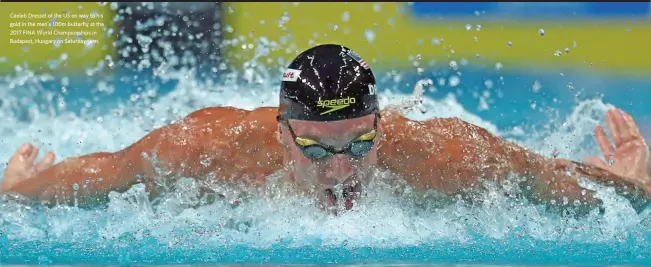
281 22
489 84
423 108
536 87
441 81
53 64
454 80
370 35
345 17
436 41
453 64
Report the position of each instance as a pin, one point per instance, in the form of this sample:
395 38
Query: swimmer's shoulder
390 116
232 116
394 122
450 127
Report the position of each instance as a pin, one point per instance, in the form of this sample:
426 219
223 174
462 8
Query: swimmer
327 132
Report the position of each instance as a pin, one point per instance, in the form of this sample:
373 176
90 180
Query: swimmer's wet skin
323 138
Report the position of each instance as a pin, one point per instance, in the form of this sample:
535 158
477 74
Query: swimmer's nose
339 168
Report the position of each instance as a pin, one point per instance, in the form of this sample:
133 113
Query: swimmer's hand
629 157
23 166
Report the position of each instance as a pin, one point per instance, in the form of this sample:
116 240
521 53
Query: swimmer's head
328 122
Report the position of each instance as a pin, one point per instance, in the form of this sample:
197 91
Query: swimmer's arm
554 182
87 180
449 155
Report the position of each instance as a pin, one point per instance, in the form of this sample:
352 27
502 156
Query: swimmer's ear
279 136
380 126
380 132
279 133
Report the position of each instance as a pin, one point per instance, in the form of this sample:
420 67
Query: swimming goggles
314 150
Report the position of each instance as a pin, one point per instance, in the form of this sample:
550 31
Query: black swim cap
327 83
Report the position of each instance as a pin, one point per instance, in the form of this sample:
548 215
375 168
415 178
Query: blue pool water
548 111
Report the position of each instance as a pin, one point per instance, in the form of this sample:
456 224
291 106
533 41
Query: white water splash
381 220
384 220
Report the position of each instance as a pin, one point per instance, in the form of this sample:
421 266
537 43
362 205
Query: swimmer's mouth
348 195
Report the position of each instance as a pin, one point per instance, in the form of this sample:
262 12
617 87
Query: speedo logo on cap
291 75
335 104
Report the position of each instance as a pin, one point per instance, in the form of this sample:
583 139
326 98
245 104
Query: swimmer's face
329 175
